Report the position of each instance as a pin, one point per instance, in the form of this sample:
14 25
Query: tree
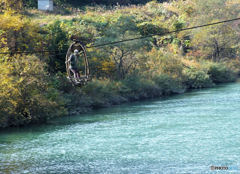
123 54
18 34
57 44
161 61
215 42
25 92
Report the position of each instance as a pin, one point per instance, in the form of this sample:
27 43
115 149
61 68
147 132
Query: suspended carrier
84 78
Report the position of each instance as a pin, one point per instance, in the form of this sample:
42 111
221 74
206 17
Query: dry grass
42 17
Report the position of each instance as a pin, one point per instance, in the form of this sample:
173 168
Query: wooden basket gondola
84 78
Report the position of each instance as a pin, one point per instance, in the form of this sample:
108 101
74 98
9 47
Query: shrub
140 87
234 64
25 93
18 33
147 28
195 78
168 85
60 82
219 73
13 5
103 93
163 62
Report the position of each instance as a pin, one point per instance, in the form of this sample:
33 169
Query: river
185 133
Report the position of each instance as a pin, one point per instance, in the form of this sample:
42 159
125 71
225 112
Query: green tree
123 54
57 43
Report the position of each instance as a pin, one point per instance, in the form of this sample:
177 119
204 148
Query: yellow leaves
107 66
17 32
12 6
232 2
11 21
63 25
191 63
7 86
22 79
164 62
95 59
3 40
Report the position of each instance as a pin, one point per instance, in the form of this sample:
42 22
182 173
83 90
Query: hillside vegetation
34 87
77 3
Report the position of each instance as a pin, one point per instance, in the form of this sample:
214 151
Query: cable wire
163 34
131 39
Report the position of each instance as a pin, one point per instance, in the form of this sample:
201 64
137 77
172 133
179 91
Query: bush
11 6
234 65
60 82
195 78
18 33
103 93
219 73
77 102
168 85
147 28
140 87
25 93
164 62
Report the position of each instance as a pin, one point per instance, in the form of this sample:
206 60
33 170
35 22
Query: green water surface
181 134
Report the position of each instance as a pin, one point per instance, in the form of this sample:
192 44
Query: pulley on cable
77 66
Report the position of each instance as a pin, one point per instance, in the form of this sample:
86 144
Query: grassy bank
34 87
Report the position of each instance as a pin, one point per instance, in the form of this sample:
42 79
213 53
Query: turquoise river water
180 134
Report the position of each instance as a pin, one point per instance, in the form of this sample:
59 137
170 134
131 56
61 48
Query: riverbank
105 93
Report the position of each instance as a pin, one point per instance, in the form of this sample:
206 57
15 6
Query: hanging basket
84 78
